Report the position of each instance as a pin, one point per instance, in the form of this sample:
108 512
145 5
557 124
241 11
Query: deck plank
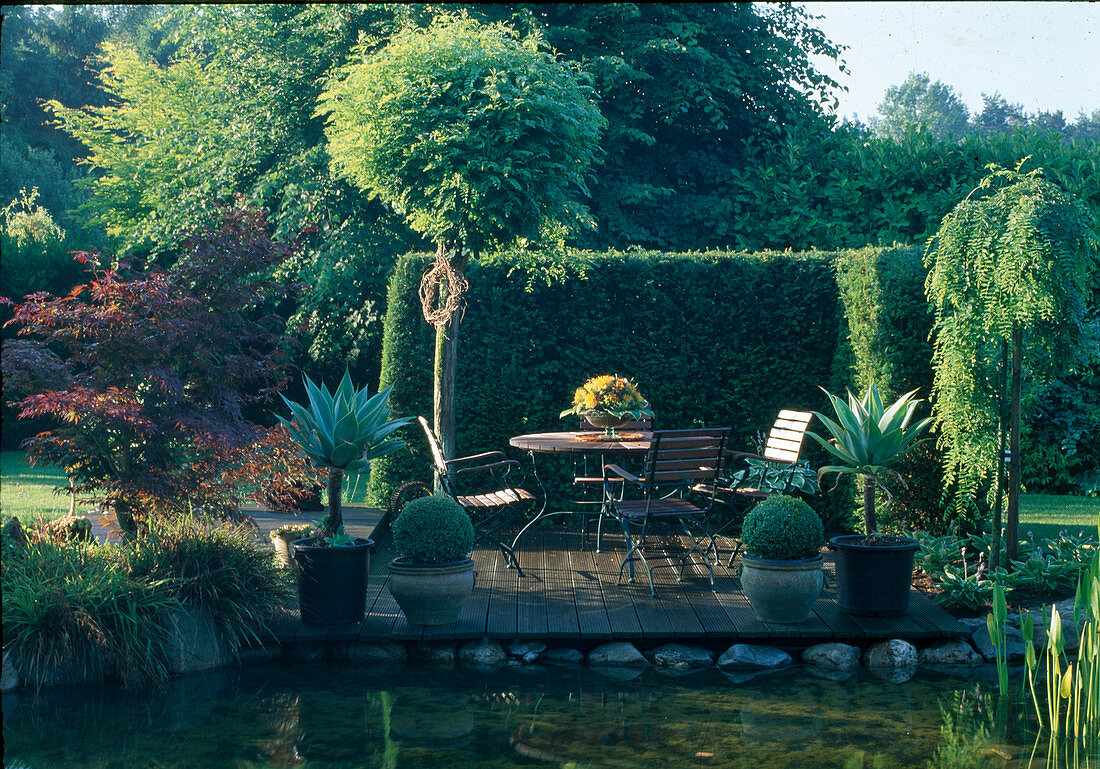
570 593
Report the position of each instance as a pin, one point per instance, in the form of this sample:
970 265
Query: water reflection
428 717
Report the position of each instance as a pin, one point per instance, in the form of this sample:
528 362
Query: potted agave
434 574
781 567
340 432
873 571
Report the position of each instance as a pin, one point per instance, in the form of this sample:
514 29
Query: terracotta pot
781 591
431 594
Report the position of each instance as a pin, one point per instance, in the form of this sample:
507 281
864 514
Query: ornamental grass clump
782 528
433 530
215 567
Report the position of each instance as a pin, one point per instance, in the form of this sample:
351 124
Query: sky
1042 55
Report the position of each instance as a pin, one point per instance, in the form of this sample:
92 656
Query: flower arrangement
609 394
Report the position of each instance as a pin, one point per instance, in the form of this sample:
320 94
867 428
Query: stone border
895 659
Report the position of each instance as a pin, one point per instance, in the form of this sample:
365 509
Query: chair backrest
784 442
437 450
685 457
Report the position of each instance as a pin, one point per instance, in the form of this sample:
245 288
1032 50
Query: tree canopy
921 101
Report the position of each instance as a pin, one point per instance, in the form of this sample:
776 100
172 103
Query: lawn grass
1044 515
28 492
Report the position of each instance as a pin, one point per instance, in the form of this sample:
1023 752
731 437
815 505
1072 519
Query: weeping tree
1010 276
477 137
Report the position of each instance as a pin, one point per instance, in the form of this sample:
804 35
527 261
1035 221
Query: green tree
999 115
921 101
1011 273
478 137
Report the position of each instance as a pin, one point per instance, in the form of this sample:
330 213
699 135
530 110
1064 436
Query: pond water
328 716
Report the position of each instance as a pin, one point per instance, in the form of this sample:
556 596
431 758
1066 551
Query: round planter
431 593
781 591
281 544
332 581
873 580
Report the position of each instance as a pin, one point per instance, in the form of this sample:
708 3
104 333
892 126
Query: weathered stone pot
281 543
431 593
781 591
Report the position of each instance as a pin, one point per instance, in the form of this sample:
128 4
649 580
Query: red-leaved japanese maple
158 369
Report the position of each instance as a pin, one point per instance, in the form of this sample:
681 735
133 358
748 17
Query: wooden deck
568 594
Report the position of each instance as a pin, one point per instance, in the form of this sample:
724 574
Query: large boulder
485 653
562 655
894 653
832 656
679 657
194 643
748 656
949 653
617 654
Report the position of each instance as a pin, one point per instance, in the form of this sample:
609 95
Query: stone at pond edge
562 656
894 653
1014 641
953 652
679 657
194 643
260 654
434 653
617 654
746 655
527 651
373 654
307 652
483 653
10 679
832 656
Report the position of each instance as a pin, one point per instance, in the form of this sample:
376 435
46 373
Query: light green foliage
868 438
344 430
170 147
472 133
920 101
433 530
35 251
1017 254
782 528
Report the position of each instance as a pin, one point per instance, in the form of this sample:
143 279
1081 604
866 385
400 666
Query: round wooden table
574 443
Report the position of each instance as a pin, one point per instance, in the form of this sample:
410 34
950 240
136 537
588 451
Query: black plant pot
873 580
332 581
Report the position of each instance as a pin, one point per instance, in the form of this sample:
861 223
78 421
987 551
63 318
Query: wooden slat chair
489 488
588 478
678 461
783 447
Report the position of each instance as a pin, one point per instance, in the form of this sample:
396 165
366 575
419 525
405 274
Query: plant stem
869 504
335 503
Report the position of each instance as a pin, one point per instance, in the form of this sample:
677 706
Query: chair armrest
483 456
489 468
612 470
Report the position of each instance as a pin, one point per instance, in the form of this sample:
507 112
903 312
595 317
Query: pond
325 716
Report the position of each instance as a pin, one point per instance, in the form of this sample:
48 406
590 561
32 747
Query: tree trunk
869 505
1002 428
335 501
1012 524
446 353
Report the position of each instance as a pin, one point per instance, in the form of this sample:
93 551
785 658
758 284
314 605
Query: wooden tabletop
573 443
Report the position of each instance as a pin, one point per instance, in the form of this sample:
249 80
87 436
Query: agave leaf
874 406
385 447
344 453
320 404
389 427
347 430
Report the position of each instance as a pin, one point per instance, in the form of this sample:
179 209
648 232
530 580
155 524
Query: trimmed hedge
710 338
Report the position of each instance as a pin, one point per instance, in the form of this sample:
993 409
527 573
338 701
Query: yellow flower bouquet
609 401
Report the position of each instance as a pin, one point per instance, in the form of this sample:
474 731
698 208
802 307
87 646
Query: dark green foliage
782 528
433 530
213 566
709 338
72 608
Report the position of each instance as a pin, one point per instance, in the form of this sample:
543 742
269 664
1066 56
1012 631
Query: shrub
73 608
433 530
216 567
782 528
158 369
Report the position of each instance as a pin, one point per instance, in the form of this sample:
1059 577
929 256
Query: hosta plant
342 432
868 438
